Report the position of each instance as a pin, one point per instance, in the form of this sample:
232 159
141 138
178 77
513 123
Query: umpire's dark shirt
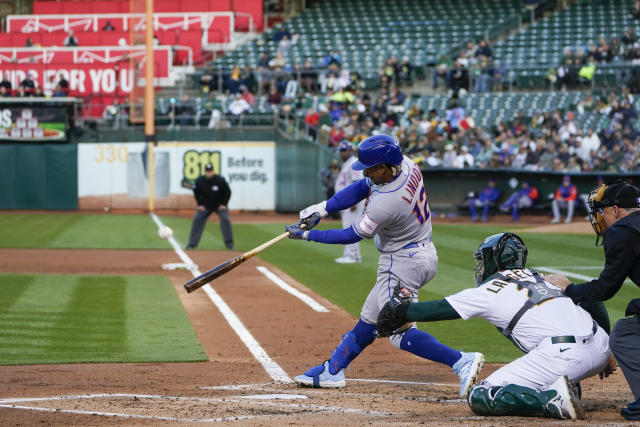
622 260
212 192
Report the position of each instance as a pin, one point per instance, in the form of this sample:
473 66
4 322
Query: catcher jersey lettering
497 301
396 213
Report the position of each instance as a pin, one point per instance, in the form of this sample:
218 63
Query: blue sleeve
340 237
495 194
348 196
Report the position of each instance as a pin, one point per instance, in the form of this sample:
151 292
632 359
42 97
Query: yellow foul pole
149 113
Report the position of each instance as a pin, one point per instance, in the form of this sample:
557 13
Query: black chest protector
538 293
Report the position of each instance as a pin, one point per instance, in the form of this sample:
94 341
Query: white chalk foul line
273 369
137 416
293 291
402 382
570 274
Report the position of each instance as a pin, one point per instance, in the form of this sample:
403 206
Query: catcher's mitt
393 316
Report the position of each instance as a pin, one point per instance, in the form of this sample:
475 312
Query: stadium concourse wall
265 172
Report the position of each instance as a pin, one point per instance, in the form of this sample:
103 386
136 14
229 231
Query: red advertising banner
88 70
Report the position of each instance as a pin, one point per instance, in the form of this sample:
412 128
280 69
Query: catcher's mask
618 194
498 252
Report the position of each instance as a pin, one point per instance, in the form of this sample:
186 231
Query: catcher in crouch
561 340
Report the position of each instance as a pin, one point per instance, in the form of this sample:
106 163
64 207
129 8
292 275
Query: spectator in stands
471 49
522 199
449 157
70 40
22 93
308 77
565 198
405 70
237 108
441 71
615 48
274 97
62 87
28 84
4 92
464 159
332 58
108 27
185 111
5 83
281 33
460 77
284 45
28 42
483 49
635 10
629 37
247 96
485 200
602 54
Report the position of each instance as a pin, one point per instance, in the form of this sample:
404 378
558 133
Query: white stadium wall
115 176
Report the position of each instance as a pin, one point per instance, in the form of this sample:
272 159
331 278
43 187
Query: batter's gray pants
200 220
625 345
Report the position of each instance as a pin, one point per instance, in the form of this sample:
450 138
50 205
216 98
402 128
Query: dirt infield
385 386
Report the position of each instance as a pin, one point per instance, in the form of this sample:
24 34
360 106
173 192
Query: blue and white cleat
320 377
468 368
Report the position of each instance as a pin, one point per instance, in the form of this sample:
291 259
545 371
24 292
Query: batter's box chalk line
273 400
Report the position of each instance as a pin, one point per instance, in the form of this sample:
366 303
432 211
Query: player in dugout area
397 215
615 217
561 340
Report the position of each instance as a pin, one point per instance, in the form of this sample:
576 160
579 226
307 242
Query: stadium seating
580 25
367 32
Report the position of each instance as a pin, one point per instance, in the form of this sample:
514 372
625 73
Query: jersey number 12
421 208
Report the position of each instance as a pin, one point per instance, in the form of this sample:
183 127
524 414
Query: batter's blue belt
570 339
416 244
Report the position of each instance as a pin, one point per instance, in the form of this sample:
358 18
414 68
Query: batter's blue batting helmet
376 150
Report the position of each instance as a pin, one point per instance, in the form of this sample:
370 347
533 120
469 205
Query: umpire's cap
376 150
621 194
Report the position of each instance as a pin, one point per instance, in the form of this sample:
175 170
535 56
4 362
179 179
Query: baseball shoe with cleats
565 405
320 377
631 411
468 367
348 260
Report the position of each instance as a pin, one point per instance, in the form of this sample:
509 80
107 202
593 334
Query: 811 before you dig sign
119 172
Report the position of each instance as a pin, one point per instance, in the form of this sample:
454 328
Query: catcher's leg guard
512 400
353 342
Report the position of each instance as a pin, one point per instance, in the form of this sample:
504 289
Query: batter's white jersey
397 213
498 301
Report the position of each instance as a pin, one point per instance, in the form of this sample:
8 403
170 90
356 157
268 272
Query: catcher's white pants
547 362
348 218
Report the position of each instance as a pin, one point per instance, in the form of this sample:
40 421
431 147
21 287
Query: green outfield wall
38 176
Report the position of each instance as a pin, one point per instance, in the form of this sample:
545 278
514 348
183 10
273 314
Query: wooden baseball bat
219 270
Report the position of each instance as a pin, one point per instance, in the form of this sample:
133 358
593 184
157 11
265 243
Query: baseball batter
346 177
560 339
397 215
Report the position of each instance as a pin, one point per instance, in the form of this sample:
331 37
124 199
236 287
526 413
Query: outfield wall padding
39 177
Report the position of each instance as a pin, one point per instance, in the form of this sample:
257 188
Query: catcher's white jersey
559 336
397 213
498 301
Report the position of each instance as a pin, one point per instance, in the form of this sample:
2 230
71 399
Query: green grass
68 319
312 264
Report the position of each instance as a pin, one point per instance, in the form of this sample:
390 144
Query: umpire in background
212 194
615 216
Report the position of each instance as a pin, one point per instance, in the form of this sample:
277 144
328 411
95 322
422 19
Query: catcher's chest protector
538 293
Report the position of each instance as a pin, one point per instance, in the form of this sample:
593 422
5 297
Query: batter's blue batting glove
311 221
297 232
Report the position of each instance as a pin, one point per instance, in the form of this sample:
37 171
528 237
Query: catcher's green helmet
498 252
